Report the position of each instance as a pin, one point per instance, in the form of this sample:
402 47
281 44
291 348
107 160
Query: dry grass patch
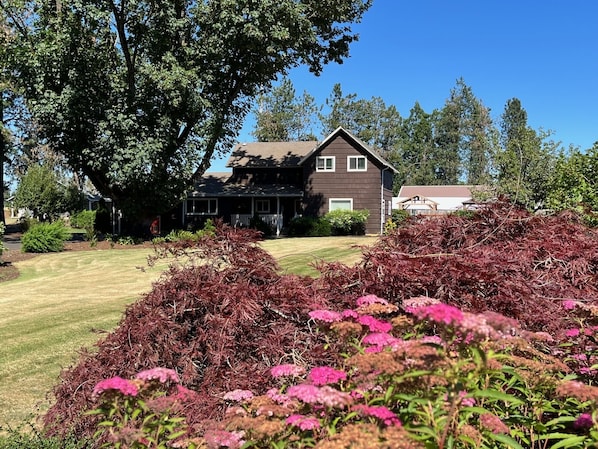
64 301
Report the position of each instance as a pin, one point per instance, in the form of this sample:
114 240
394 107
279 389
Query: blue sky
543 52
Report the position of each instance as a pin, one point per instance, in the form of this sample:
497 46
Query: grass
64 301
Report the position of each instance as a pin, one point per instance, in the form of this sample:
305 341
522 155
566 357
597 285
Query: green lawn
64 301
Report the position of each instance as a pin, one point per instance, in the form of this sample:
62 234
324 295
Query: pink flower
369 300
572 332
162 375
304 392
322 375
123 386
277 397
440 313
238 395
379 339
569 304
434 339
217 439
303 422
184 394
286 370
327 316
584 422
381 412
327 396
374 324
349 314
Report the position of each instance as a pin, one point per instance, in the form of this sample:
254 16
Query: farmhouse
278 181
434 200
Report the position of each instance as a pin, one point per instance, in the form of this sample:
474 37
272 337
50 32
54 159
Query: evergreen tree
525 159
282 116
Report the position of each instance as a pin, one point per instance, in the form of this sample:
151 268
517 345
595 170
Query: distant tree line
459 143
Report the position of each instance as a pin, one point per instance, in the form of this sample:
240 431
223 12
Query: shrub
260 225
309 227
347 222
85 219
45 238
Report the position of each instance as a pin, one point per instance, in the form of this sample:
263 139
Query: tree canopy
139 95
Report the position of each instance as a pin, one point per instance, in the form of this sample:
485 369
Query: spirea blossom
323 375
162 375
584 422
288 369
440 313
370 299
572 332
222 438
238 395
569 304
326 395
303 422
374 324
123 386
379 339
327 316
381 412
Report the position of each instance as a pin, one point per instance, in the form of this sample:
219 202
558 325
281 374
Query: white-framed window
340 204
357 163
325 163
262 206
202 206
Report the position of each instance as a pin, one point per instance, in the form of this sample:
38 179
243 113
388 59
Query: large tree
525 159
466 134
139 95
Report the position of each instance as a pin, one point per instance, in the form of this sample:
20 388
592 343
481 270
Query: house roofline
355 139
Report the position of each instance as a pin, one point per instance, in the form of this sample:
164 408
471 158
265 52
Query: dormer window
356 163
325 163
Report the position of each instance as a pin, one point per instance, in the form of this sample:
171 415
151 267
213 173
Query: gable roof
350 137
270 154
451 191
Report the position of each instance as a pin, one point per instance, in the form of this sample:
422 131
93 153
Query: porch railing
243 220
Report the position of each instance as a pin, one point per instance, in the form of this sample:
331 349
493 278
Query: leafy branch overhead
140 95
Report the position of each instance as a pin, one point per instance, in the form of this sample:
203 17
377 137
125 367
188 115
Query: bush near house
85 219
347 222
309 227
45 238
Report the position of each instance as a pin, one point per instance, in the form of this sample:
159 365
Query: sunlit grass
64 301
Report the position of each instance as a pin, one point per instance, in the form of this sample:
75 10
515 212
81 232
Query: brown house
281 180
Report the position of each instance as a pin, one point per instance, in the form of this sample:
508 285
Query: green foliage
45 238
39 191
574 182
155 89
524 162
24 438
259 224
85 219
309 227
347 222
281 116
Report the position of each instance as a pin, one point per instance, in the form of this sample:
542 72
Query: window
340 204
356 163
262 206
325 163
202 206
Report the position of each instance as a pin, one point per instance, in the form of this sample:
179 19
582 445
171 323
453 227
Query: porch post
278 219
